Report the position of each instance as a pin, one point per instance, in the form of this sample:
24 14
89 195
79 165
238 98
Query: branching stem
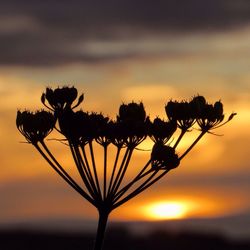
77 188
193 144
94 167
114 170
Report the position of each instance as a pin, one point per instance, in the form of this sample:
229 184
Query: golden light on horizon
164 210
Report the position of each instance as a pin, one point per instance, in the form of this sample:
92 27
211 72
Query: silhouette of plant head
161 131
83 131
132 124
61 98
209 116
164 157
182 113
35 126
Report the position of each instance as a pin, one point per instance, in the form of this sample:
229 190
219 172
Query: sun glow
167 210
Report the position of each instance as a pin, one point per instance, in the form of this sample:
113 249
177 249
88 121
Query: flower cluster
130 128
35 126
82 127
61 98
208 116
164 157
161 131
186 114
182 113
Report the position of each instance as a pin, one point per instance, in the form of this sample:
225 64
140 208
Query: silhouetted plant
81 130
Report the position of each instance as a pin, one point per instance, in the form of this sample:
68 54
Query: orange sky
212 181
214 177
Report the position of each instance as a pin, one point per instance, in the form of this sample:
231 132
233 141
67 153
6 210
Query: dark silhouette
118 238
82 130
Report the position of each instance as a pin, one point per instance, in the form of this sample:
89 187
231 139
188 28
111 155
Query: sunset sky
122 51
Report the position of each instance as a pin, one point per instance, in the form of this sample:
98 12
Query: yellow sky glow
166 210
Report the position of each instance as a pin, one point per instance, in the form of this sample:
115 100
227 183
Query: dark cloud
49 32
162 14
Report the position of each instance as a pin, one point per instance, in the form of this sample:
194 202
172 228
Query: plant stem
123 171
113 171
72 184
94 168
58 164
192 145
179 138
105 173
119 173
141 188
84 176
139 176
88 169
102 223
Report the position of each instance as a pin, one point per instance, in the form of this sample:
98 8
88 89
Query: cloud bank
42 33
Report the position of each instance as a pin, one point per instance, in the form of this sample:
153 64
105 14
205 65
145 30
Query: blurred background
117 51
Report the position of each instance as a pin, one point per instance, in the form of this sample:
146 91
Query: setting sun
167 210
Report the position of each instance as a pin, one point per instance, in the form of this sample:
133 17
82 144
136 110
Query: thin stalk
193 144
114 169
88 169
94 167
139 176
119 172
143 169
179 138
77 188
123 171
58 164
82 171
102 223
105 172
138 190
153 181
82 163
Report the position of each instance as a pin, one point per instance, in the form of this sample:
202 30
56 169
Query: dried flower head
164 157
182 113
161 131
61 98
132 124
82 127
132 112
209 116
35 126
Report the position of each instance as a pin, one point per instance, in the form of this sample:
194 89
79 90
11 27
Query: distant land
118 238
235 227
